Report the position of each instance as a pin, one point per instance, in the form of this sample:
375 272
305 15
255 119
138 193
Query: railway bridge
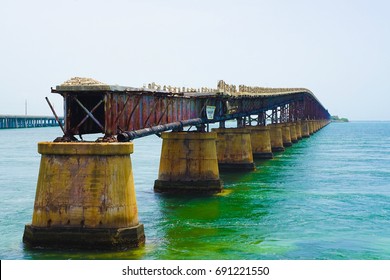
85 192
129 113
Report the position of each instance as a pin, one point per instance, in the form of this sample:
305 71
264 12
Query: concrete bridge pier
305 129
298 125
286 134
85 198
188 163
319 124
261 142
325 123
311 127
276 138
234 149
315 126
293 132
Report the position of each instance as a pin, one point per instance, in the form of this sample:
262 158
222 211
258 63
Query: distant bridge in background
25 121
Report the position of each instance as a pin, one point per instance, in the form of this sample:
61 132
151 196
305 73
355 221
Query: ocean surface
326 197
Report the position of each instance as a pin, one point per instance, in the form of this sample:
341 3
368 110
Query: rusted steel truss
131 114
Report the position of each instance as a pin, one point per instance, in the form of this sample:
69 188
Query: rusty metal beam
169 102
130 135
130 110
123 109
152 111
89 114
55 115
133 110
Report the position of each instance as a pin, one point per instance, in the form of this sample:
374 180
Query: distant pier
24 121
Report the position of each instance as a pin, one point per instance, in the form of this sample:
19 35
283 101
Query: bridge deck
112 109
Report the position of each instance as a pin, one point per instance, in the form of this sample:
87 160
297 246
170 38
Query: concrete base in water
293 132
261 142
198 186
85 197
278 149
236 166
276 138
286 134
264 155
234 149
84 238
311 127
298 126
305 130
188 163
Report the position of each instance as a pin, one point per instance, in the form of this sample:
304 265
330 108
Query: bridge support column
311 127
286 134
317 125
321 124
188 163
261 142
275 132
234 149
305 129
314 122
85 198
298 125
293 132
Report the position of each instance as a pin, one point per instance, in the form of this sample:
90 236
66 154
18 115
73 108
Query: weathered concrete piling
286 134
305 129
298 125
85 197
311 127
261 142
188 163
234 149
317 126
293 132
276 137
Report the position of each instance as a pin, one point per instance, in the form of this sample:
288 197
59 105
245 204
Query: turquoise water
326 197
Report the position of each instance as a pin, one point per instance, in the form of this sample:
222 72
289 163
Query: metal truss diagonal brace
90 114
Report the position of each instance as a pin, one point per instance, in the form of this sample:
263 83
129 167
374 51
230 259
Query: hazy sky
338 49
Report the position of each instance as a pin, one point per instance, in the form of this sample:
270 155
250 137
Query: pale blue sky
338 49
